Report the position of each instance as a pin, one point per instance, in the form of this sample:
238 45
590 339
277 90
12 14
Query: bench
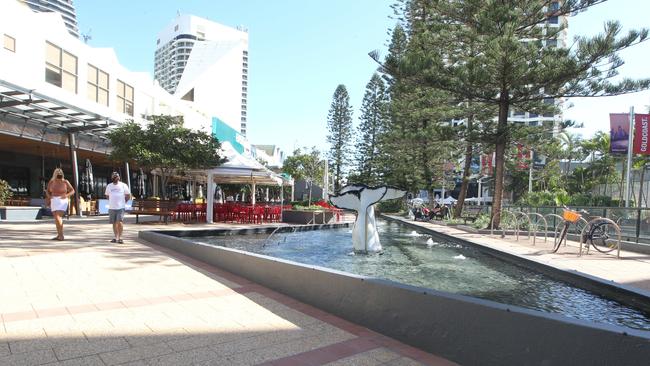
471 213
163 209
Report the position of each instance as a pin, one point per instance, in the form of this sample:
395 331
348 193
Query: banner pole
629 158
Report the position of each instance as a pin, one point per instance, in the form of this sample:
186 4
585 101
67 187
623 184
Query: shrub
5 191
391 206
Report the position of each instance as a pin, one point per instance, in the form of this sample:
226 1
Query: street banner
619 132
487 164
641 134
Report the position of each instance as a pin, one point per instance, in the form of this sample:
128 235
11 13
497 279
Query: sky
300 50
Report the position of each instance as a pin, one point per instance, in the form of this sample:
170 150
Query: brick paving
85 301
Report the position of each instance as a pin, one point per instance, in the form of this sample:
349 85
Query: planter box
20 213
307 216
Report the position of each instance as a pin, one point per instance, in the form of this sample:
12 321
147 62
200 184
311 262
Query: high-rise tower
206 63
63 7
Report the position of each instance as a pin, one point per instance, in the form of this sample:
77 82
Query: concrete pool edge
464 329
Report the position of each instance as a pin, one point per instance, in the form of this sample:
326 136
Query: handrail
545 227
602 219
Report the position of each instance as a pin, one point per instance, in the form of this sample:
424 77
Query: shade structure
240 169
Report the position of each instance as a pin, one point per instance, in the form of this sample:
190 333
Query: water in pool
417 259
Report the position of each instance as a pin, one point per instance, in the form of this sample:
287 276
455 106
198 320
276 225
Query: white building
64 7
271 155
205 63
55 89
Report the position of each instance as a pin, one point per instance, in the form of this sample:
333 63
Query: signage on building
223 132
641 134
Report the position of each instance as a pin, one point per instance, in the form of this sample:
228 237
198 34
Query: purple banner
619 124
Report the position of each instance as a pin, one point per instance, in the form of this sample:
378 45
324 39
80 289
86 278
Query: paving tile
135 353
4 349
82 361
183 358
79 348
29 358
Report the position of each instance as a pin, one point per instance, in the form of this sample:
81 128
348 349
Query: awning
22 105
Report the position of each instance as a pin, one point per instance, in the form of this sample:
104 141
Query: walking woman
59 191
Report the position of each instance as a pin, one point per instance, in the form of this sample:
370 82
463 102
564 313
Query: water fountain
362 198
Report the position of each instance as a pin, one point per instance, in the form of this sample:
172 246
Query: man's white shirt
116 195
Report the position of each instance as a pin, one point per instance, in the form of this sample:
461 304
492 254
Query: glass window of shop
124 98
97 85
9 43
60 68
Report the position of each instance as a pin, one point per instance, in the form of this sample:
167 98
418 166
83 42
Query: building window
60 68
554 6
554 19
551 43
10 43
158 41
97 85
124 98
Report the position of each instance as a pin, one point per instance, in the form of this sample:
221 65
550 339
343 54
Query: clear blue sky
300 50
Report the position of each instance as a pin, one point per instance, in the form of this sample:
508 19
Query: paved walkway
633 269
85 301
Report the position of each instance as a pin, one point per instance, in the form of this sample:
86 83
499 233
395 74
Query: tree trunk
499 164
309 202
163 183
466 173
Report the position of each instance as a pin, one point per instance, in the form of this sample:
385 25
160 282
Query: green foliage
305 166
374 118
391 206
494 53
164 143
482 221
339 125
308 208
5 191
308 167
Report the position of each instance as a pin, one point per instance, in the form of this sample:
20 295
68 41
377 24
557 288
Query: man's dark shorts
116 215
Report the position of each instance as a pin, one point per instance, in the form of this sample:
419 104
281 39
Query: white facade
205 64
64 7
272 155
36 34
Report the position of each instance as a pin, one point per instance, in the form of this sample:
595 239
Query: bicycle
599 232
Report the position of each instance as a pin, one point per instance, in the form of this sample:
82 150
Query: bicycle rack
503 230
555 216
530 224
618 233
545 227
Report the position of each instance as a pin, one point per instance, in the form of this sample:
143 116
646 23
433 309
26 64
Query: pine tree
339 124
374 115
514 63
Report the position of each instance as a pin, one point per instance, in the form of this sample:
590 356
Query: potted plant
5 192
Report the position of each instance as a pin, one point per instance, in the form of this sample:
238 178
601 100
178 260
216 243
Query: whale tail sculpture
362 198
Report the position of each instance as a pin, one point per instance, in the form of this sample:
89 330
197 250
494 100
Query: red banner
487 164
642 134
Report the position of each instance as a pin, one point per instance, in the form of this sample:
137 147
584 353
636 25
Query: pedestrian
57 193
118 194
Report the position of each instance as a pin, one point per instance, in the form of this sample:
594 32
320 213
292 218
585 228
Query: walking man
118 194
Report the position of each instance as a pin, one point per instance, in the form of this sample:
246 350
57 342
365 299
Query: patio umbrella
90 179
142 188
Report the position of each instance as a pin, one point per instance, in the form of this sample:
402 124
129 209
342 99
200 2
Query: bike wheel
603 237
560 234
